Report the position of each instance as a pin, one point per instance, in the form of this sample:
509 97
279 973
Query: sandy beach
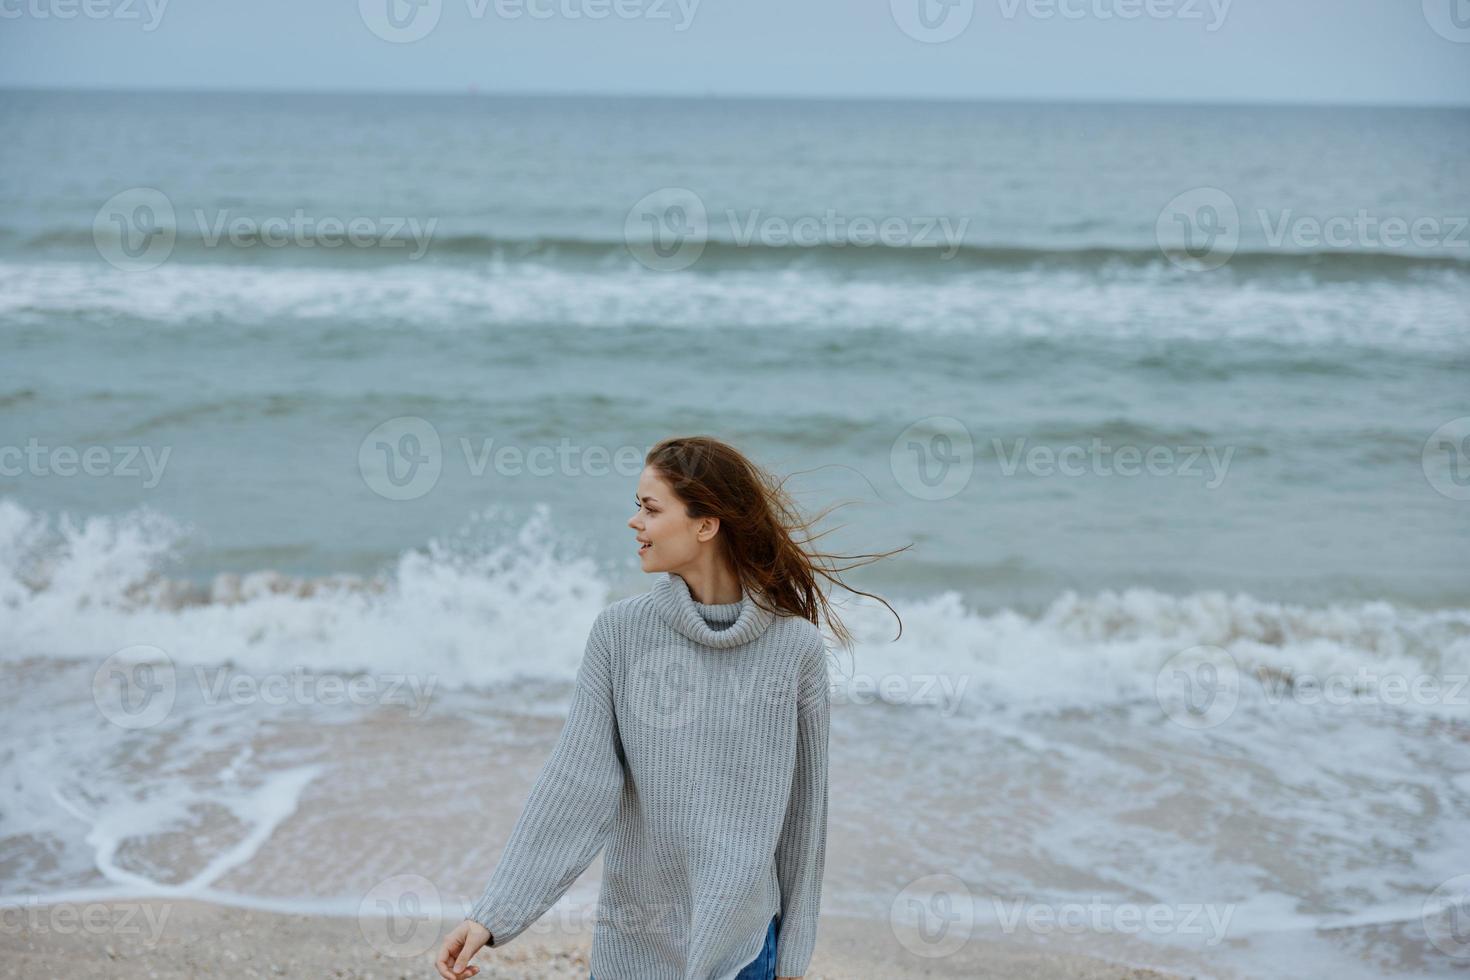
166 939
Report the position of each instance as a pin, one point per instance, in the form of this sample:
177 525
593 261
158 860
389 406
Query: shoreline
166 938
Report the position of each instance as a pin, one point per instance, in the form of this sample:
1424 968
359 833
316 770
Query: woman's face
674 539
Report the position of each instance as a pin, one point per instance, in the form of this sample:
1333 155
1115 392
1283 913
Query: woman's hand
460 946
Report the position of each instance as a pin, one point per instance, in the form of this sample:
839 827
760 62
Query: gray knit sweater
696 751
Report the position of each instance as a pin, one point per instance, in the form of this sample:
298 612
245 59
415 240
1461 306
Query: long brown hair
760 525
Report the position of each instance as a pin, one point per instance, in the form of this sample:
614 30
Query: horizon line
473 91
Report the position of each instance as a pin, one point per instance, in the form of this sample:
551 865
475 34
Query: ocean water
1223 676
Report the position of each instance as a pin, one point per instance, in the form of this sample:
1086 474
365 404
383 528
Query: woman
695 748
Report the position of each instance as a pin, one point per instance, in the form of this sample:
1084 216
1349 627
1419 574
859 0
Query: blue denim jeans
763 967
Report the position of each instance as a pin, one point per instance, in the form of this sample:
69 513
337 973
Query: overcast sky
1355 51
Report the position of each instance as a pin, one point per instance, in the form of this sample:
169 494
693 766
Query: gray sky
1356 51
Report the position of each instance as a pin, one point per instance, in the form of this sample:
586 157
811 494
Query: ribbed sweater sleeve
802 847
570 810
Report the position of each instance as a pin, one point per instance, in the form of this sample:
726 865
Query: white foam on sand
261 809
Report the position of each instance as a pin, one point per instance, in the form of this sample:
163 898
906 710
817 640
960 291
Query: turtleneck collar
741 621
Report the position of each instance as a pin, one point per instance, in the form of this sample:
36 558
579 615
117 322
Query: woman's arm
802 847
570 810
